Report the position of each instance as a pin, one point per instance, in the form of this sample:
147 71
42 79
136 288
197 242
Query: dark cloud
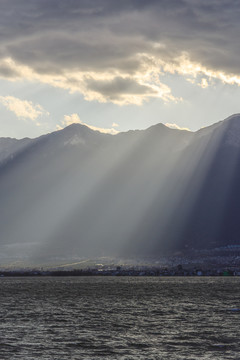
85 52
7 72
113 89
104 35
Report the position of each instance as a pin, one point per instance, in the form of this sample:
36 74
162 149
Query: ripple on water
119 318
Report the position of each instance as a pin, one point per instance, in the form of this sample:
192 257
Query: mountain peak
75 127
234 117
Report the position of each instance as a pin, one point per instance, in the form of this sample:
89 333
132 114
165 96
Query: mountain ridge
139 192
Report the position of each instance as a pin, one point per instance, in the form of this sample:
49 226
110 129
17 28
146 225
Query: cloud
75 119
102 130
22 108
204 83
175 126
125 90
71 119
7 70
119 86
119 52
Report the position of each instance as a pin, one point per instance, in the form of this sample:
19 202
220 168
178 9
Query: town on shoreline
121 271
212 262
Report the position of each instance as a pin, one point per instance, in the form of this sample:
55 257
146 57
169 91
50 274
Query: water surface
119 318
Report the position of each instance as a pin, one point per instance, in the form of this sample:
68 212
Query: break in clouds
119 51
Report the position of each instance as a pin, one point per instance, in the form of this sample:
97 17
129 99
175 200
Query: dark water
119 318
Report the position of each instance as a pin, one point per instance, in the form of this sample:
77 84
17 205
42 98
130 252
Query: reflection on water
119 318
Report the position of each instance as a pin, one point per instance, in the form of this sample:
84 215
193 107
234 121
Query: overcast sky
117 65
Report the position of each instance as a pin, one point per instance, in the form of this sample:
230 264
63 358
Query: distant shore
179 271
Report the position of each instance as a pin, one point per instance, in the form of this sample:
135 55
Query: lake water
119 318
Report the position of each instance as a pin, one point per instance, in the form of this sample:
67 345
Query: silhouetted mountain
78 191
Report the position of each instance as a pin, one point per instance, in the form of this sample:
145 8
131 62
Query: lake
119 318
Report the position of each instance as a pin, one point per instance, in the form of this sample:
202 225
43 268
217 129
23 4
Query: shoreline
179 272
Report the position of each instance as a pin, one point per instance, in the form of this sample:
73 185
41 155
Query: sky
117 65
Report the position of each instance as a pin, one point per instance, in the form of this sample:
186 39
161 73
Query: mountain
11 147
80 192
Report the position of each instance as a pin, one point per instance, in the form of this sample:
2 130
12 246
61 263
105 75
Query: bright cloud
22 108
175 126
71 119
75 119
204 83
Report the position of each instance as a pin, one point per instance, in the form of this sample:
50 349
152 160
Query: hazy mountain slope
10 147
201 207
77 191
214 218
